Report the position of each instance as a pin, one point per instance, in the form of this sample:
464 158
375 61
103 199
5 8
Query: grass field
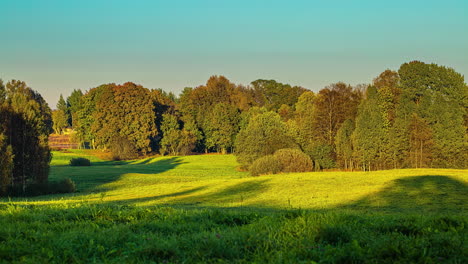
201 209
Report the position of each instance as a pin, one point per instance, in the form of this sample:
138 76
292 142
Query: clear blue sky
58 46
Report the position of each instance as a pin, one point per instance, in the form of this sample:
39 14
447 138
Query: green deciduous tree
171 134
264 134
334 104
369 134
421 143
60 122
86 116
127 111
6 164
344 145
439 95
222 127
25 123
272 94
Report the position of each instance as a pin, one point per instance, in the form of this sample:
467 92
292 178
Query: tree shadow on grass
159 197
191 197
233 194
96 178
428 193
432 194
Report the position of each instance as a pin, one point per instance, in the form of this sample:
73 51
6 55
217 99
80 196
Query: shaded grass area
84 233
200 209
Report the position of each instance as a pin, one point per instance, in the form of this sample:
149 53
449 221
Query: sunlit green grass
200 209
214 181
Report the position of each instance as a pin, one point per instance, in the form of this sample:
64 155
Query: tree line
411 118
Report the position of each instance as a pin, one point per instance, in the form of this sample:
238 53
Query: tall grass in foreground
84 233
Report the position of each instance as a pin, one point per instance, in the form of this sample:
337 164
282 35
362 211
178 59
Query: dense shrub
80 162
123 149
293 160
36 189
265 165
264 134
66 185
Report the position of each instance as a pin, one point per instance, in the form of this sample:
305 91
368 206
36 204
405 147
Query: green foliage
171 134
293 160
85 115
6 164
272 94
305 120
439 95
123 149
2 92
177 141
369 135
80 162
421 142
25 123
45 188
333 105
222 127
321 155
125 111
268 164
264 134
344 144
74 105
59 119
63 107
67 185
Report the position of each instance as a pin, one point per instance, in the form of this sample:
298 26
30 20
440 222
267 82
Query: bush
265 165
45 188
80 162
123 149
293 160
264 134
66 186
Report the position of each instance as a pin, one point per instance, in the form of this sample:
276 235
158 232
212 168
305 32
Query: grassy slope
398 216
212 181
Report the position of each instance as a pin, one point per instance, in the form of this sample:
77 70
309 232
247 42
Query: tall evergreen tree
62 106
74 105
60 117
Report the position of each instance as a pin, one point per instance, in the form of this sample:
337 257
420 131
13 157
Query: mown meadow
201 209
